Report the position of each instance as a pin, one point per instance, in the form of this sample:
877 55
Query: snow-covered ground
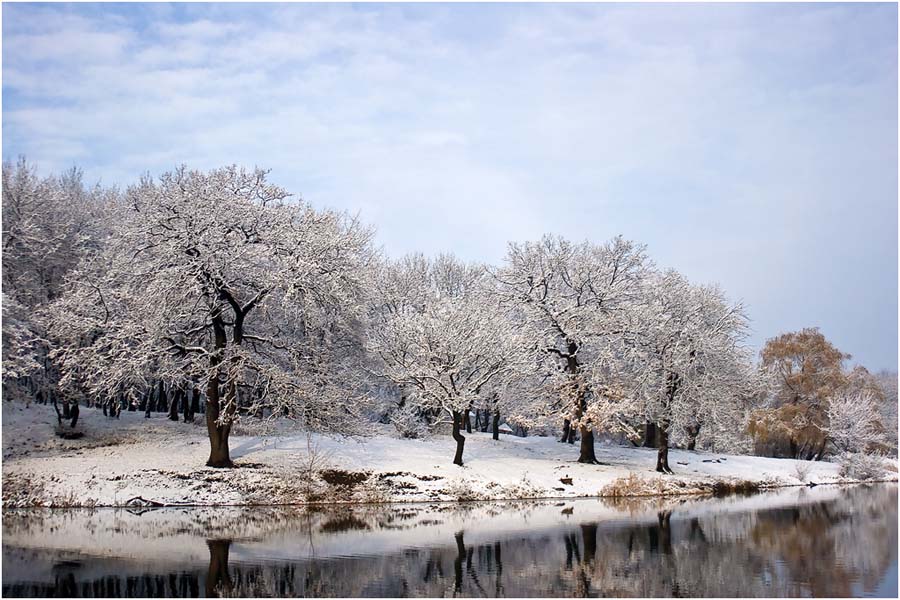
162 461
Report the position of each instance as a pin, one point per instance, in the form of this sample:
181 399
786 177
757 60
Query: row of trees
219 285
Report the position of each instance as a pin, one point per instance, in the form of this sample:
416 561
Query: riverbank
155 461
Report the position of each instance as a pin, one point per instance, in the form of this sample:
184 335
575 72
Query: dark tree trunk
173 407
692 433
478 420
495 425
218 432
587 454
567 426
662 445
73 414
467 420
460 439
571 438
195 403
218 579
219 455
650 435
65 411
162 400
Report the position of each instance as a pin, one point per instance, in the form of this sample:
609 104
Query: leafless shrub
314 460
802 469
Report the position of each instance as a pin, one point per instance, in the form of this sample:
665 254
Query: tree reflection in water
841 546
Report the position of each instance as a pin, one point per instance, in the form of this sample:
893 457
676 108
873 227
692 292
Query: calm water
826 541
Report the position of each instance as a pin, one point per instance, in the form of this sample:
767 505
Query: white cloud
752 145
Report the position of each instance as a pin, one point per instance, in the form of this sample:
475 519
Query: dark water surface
826 541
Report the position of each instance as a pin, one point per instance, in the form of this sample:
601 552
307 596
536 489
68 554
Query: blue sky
750 145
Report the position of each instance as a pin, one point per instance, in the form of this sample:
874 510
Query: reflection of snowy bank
159 460
708 546
178 534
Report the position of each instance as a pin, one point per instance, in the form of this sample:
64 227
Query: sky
753 146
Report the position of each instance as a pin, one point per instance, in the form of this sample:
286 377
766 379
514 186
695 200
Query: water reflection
823 542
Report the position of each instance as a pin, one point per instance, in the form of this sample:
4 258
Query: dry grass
21 491
636 486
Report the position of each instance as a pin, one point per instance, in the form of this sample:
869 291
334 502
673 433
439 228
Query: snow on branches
568 299
448 344
220 284
219 280
683 347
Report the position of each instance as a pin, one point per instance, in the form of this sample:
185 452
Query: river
795 542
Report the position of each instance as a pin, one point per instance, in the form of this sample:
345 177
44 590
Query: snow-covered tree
887 381
220 277
685 355
854 423
21 347
449 346
49 225
570 297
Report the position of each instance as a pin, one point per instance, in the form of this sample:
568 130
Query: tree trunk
162 404
460 439
195 403
567 426
571 438
467 420
692 433
662 445
173 407
650 435
187 402
495 425
587 454
218 433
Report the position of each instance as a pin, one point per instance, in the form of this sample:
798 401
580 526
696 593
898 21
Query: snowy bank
161 462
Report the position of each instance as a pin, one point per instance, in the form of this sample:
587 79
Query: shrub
861 466
409 424
802 469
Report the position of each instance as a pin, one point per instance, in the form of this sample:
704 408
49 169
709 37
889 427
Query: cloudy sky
750 145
